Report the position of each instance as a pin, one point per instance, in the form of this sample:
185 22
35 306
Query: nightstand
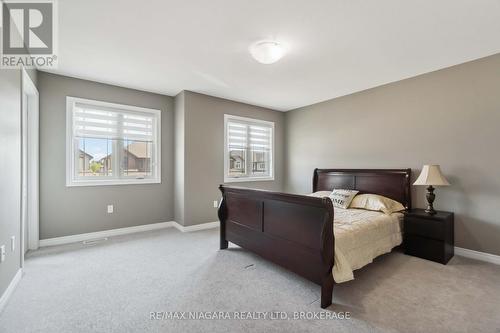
429 237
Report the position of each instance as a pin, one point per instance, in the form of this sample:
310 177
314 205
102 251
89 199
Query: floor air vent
94 241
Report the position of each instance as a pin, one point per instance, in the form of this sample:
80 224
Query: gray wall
450 117
10 172
74 210
204 152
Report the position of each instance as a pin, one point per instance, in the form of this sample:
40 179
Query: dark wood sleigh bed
296 231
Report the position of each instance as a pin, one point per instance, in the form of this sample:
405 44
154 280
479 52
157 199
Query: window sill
247 179
112 182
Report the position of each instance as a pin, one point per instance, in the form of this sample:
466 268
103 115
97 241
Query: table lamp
431 176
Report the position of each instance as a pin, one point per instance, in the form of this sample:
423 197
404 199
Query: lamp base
430 200
430 211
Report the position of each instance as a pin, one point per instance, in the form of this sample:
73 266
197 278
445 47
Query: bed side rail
294 231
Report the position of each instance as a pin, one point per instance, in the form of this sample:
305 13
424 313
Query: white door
30 186
24 177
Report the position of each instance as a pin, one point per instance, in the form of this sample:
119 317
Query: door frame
30 169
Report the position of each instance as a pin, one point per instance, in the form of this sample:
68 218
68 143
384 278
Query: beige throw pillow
377 203
342 198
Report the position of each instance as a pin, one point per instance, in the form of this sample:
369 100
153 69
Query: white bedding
361 236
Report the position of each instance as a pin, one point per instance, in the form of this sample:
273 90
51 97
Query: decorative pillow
376 202
342 198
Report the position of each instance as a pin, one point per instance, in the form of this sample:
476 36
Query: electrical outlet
110 209
216 204
13 243
2 253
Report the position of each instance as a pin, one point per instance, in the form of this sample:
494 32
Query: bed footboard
293 231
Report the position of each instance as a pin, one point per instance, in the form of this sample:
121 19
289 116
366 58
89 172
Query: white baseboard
482 256
125 231
196 227
105 233
10 289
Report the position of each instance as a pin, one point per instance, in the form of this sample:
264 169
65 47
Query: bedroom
356 87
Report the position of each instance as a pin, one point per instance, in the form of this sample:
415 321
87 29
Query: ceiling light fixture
267 52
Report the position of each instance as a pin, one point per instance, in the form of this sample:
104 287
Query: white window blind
108 123
110 144
248 135
248 149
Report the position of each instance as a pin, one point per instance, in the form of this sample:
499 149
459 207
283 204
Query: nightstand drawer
425 248
426 228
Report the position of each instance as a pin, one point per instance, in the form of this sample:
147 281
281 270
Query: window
111 144
248 149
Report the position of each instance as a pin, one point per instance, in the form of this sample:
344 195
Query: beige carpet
113 287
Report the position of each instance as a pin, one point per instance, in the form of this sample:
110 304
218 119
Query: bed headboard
391 183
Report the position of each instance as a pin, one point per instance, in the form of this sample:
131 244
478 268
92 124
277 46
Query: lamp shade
431 175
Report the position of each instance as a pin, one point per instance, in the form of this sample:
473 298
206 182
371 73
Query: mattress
361 236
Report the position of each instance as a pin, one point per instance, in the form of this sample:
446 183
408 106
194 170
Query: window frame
73 180
247 178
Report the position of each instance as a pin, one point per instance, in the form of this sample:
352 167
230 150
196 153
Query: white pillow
320 194
376 202
342 198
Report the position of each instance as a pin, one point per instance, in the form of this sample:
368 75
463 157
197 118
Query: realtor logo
28 34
